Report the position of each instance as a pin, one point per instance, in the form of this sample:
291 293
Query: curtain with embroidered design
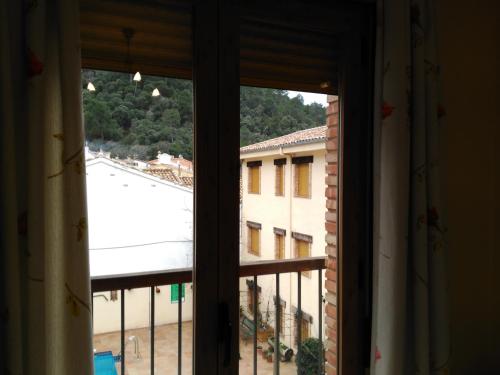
410 331
46 304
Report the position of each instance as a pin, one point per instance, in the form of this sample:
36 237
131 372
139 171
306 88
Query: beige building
283 217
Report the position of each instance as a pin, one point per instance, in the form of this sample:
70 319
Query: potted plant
309 356
270 355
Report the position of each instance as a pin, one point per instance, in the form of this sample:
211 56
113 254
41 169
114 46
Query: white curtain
410 332
45 292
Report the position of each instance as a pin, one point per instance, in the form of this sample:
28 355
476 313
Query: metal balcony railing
184 275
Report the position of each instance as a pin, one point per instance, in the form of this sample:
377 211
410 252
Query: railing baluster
299 314
255 322
179 330
277 328
320 321
152 328
122 330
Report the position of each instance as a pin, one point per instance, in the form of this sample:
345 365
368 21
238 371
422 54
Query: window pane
140 179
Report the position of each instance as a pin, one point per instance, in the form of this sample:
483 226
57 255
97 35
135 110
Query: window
253 238
254 176
279 243
302 176
279 186
250 299
305 325
174 293
302 246
305 329
282 314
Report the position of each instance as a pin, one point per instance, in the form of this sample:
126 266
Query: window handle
225 332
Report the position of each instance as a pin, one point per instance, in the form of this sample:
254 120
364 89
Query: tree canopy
122 116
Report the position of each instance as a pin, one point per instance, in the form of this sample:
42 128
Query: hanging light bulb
137 77
155 92
90 87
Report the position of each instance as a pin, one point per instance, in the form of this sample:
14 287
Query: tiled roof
312 135
187 164
168 175
187 180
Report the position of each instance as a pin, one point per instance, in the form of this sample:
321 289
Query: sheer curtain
410 319
45 292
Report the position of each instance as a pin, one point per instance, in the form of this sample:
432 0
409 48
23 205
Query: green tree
121 114
98 120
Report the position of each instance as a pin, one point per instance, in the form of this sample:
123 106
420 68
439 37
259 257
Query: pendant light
137 77
156 92
90 86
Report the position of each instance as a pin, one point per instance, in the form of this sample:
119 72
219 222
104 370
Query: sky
309 97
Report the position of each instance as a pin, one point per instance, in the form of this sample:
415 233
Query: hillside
122 117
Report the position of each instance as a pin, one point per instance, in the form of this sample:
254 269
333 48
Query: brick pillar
332 121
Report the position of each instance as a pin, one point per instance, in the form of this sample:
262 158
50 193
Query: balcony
156 336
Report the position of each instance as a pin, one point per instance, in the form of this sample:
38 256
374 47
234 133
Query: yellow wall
468 36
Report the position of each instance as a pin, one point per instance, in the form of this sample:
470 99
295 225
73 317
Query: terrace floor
166 352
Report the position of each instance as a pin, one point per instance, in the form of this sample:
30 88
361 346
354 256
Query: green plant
309 357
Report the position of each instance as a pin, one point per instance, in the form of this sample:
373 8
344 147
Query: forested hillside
122 117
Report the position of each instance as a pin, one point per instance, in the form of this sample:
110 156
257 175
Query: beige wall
293 214
468 47
137 301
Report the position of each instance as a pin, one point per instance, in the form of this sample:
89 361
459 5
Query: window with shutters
253 238
305 329
302 245
304 325
250 299
280 180
250 296
176 295
303 180
282 315
279 246
254 177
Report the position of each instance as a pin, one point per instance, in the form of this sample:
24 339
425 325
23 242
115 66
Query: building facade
137 223
283 217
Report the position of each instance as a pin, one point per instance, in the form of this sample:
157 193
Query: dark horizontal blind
275 51
161 44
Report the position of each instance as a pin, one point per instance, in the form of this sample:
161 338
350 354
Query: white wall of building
106 316
137 223
303 215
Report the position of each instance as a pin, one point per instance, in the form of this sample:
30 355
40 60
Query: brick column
332 121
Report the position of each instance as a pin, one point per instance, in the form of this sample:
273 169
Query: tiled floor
166 352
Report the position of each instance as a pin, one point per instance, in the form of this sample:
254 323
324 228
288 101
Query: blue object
104 363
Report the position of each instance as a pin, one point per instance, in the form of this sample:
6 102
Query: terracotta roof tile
187 180
164 174
299 137
188 164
